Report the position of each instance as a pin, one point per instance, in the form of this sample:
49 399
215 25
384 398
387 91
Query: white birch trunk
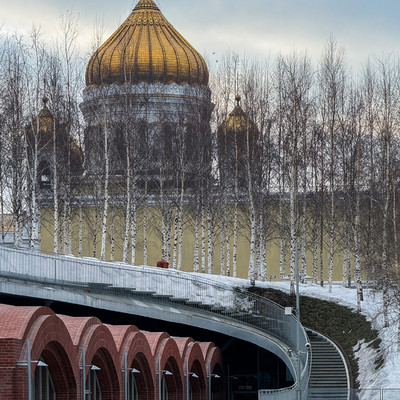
222 249
133 234
34 219
293 239
180 226
315 254
357 256
64 225
33 177
282 241
228 250
94 250
203 241
106 194
210 241
385 263
125 249
175 245
321 249
55 193
346 258
396 257
163 222
262 249
304 239
395 237
145 218
112 239
196 242
235 239
69 225
251 274
80 238
252 261
331 242
169 235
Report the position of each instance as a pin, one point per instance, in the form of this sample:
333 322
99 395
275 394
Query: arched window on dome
118 147
43 382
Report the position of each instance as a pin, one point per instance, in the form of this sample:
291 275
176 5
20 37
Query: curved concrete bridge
167 295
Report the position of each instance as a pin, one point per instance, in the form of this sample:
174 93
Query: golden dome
235 129
237 119
45 118
146 48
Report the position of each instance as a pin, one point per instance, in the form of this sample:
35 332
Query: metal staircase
329 377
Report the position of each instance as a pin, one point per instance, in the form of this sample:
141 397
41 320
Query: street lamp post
93 368
210 376
132 389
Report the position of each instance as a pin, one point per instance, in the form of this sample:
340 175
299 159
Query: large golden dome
146 48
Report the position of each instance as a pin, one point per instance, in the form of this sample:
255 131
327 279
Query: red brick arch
101 351
197 365
16 321
50 340
213 358
77 326
139 356
120 333
192 355
170 359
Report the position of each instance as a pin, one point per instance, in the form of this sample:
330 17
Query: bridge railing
190 290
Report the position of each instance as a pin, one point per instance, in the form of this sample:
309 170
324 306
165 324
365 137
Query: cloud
255 27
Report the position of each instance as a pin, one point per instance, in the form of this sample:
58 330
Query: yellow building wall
154 243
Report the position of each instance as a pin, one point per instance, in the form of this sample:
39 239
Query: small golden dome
237 119
235 129
146 48
45 118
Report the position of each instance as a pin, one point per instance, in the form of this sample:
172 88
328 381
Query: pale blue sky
256 27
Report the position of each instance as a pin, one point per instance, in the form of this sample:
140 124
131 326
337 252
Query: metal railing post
125 376
29 368
83 374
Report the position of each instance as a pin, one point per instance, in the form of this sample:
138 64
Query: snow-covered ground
388 376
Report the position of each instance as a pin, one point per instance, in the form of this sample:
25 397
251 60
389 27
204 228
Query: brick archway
173 378
101 352
198 381
61 371
193 359
140 358
213 359
50 341
170 367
